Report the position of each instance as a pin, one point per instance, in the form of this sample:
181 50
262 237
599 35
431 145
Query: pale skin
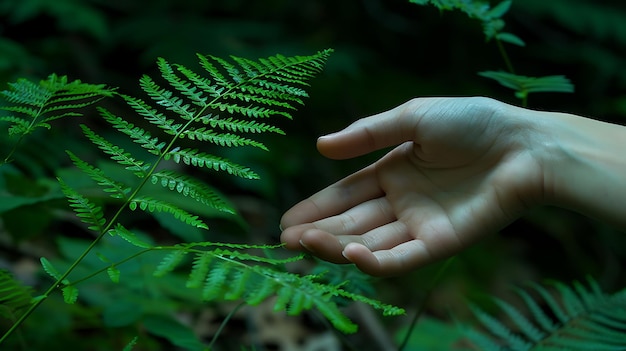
459 169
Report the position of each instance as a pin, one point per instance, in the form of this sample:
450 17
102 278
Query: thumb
372 133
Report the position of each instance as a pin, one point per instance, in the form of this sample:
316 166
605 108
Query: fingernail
328 136
280 226
304 245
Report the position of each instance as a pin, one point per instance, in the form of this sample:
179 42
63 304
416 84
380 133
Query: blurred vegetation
386 52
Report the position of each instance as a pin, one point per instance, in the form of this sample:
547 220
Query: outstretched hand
462 168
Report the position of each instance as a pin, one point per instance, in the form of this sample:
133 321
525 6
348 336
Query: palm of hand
420 202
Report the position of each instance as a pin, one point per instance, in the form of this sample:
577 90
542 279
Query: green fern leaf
114 274
70 294
259 289
151 205
585 319
525 326
216 280
137 167
200 269
523 85
166 98
129 236
537 312
153 116
338 319
130 345
193 157
88 212
169 262
139 135
227 139
115 189
241 126
498 329
193 89
13 295
49 268
192 188
239 285
19 125
56 94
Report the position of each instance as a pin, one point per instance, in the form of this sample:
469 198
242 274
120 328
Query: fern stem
54 286
505 56
422 304
7 159
137 254
223 324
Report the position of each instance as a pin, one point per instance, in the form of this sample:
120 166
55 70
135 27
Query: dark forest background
386 52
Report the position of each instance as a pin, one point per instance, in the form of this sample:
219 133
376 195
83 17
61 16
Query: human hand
462 168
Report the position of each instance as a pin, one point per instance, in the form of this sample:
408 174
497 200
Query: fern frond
223 273
200 269
70 292
528 329
137 167
584 319
149 204
169 262
192 90
193 157
153 116
56 94
139 135
222 139
13 295
248 111
87 211
129 236
115 189
192 188
166 98
241 126
19 126
524 85
498 329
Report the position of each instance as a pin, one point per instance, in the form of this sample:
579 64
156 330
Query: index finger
335 199
372 133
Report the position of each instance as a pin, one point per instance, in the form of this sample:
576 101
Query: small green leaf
114 274
49 268
500 9
130 345
70 294
510 38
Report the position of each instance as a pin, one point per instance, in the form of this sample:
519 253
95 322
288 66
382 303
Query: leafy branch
187 108
493 25
578 317
33 106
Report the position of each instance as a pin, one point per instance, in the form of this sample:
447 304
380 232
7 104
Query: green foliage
34 106
493 25
525 85
185 112
575 317
490 17
14 297
231 272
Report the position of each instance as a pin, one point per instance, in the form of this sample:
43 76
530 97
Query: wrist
584 165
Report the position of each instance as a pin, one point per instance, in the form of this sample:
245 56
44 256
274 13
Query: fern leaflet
35 105
13 295
585 318
149 204
225 274
87 211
